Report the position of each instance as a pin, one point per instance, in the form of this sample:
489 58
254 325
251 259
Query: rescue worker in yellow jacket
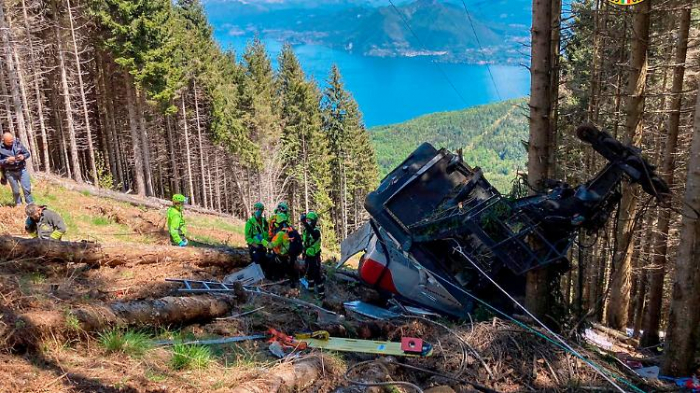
256 230
176 222
43 223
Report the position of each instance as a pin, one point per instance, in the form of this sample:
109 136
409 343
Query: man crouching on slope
176 222
43 223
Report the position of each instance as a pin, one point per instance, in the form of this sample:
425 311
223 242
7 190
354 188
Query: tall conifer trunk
68 106
13 76
652 316
190 183
684 316
38 96
199 142
145 143
135 137
619 299
83 97
540 144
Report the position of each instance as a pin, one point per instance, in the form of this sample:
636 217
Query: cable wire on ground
560 342
439 374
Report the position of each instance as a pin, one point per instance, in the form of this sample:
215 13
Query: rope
559 341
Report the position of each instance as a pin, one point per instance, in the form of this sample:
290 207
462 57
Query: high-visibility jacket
256 231
176 225
281 241
311 238
49 226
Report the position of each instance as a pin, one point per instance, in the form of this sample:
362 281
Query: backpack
295 243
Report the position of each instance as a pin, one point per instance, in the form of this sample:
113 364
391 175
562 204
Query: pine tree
352 162
304 144
258 103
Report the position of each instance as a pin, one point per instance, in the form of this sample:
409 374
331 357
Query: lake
392 90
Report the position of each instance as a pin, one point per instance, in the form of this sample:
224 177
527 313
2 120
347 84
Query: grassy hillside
103 220
490 135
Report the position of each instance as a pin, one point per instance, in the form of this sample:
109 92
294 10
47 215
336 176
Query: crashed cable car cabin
434 220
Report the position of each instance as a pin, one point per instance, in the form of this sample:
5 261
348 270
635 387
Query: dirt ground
66 358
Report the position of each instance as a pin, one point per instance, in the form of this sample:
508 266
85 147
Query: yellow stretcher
409 346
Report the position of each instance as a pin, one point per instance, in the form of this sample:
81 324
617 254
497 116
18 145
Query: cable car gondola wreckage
435 223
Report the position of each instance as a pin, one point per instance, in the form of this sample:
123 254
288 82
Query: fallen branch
95 254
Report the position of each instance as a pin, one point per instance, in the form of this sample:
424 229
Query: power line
481 48
420 42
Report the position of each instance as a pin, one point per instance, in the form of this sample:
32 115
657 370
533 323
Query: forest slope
490 135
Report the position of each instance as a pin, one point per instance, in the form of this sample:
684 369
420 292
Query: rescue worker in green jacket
43 223
256 231
286 247
176 222
311 241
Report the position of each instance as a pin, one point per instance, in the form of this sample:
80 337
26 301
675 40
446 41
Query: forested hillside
490 135
136 96
494 34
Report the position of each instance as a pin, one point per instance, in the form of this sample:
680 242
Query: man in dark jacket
43 223
13 161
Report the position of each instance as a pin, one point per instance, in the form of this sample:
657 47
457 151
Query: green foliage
305 146
72 323
130 342
142 34
352 157
104 177
489 135
309 147
190 357
37 278
101 221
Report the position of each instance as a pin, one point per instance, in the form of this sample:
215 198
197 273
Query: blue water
392 90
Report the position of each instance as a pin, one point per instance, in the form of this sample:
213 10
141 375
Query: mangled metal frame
433 203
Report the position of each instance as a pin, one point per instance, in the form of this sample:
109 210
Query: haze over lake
395 89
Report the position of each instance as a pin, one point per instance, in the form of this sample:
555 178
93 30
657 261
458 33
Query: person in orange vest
286 247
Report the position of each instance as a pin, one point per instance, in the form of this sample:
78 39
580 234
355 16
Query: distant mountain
441 29
490 136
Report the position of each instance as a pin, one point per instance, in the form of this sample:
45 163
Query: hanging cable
481 48
420 42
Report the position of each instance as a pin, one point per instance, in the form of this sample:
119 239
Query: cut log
111 255
290 377
160 312
148 313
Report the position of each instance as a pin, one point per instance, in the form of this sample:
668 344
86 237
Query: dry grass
101 220
496 354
